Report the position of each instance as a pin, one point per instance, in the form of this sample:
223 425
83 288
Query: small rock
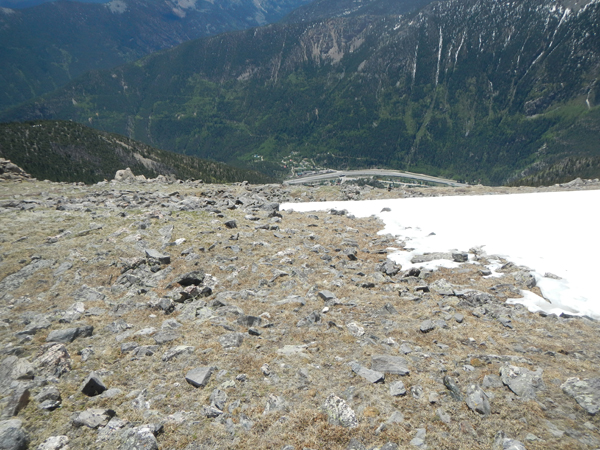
192 278
397 388
162 258
93 385
368 374
231 340
49 398
68 335
477 400
54 443
451 385
199 376
355 329
177 351
339 413
427 326
394 365
92 418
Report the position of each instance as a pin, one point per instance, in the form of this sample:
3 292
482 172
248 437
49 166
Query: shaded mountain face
71 152
478 90
45 46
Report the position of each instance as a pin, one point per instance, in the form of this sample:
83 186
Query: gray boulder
397 388
521 381
68 335
586 393
12 436
92 418
155 255
231 340
478 400
427 326
339 413
199 376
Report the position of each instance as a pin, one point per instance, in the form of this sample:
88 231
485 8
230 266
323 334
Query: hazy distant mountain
43 47
473 89
21 4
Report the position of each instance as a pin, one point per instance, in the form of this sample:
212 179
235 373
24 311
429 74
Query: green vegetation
67 151
503 106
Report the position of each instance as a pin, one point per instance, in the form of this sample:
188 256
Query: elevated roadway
371 172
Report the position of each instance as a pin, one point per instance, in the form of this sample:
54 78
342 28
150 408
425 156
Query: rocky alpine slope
180 315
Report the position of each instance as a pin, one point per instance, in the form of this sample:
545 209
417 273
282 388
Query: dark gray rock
427 326
192 278
93 385
451 385
92 418
12 435
339 413
460 256
586 393
350 253
370 375
395 365
17 401
199 376
477 400
231 224
389 268
144 350
521 381
49 398
230 340
68 335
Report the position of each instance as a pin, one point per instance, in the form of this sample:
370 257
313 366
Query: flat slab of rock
586 393
199 376
93 418
478 400
68 335
394 365
162 258
230 340
521 381
370 375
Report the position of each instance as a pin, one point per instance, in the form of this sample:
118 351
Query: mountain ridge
475 90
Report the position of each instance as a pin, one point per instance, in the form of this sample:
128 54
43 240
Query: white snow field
551 232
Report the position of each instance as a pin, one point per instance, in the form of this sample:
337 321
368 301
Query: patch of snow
117 6
551 232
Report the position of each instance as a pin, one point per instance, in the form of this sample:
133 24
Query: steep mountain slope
326 9
67 151
473 89
43 47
